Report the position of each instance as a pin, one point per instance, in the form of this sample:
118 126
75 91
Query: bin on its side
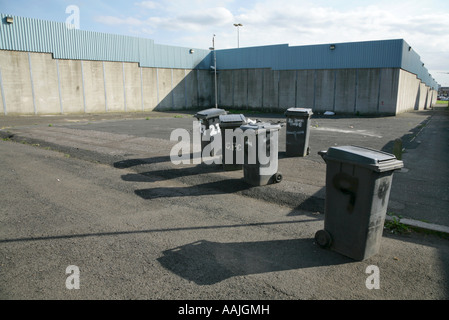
297 131
231 122
259 136
210 125
358 184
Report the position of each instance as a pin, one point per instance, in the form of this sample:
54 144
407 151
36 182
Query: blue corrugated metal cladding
34 35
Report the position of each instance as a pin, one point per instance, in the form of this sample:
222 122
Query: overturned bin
358 184
210 125
297 131
230 143
260 165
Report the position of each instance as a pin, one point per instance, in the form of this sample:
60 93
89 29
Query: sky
423 24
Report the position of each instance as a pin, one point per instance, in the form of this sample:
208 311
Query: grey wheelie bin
358 184
210 125
230 148
260 165
297 132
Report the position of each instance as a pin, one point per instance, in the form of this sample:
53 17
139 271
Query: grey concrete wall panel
367 91
94 86
132 88
2 95
345 90
191 81
270 89
178 91
45 82
422 94
115 95
388 92
71 86
240 87
206 95
149 88
287 89
255 88
225 88
165 89
324 90
16 82
408 91
305 91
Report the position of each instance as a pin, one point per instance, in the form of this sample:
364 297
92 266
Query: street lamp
238 33
215 70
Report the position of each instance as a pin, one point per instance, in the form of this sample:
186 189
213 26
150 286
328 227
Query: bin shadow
312 203
128 163
209 188
206 263
172 173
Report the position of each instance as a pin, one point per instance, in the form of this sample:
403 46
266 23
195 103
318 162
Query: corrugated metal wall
411 62
34 35
353 55
372 54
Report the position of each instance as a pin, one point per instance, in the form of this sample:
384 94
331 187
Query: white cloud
148 4
110 20
211 16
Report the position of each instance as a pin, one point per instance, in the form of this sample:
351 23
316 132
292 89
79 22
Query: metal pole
238 37
238 25
215 71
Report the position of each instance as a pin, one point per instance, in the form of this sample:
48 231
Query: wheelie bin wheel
323 238
278 177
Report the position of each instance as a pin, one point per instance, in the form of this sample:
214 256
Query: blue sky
191 23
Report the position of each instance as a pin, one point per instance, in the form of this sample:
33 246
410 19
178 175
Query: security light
332 47
9 19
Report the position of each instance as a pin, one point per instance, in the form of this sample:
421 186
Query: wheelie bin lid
376 160
260 126
302 112
232 120
209 113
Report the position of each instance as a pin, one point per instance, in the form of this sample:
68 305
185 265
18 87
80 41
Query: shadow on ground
206 263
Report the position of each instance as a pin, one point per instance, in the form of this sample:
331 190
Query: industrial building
49 68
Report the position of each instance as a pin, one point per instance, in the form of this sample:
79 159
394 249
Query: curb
420 225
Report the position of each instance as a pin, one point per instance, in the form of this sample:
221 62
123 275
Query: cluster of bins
358 179
254 172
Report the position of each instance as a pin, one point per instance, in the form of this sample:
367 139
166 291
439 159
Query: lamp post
238 33
215 70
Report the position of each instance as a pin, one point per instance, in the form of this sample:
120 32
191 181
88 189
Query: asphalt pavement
142 227
419 195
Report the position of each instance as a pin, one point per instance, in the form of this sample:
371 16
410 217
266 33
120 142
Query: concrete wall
17 92
346 91
35 83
